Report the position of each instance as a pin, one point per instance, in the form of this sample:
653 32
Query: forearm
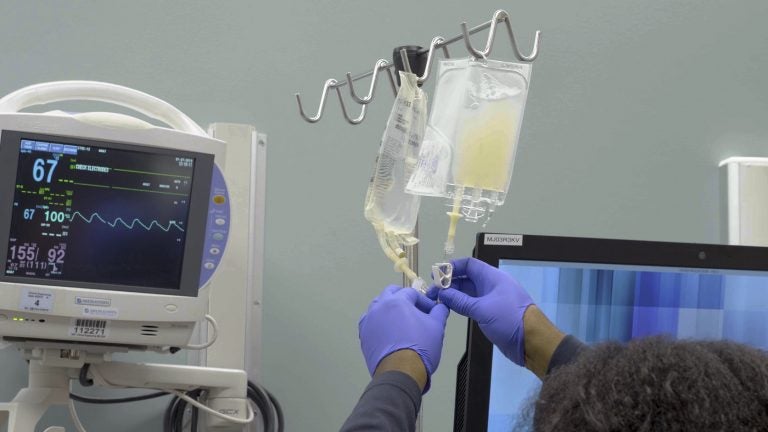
393 398
406 361
541 340
569 349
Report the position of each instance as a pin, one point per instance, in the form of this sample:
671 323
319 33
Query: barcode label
89 328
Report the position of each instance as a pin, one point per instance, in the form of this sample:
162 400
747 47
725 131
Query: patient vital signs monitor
131 206
110 227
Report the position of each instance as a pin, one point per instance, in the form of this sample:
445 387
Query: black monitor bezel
475 370
189 281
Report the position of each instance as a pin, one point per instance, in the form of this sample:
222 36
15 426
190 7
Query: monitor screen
605 289
598 302
99 213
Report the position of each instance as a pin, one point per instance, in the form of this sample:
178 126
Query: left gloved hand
402 318
494 299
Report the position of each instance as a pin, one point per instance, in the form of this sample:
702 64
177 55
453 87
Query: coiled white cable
212 340
213 412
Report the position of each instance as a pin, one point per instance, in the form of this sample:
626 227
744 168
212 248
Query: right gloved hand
402 318
492 298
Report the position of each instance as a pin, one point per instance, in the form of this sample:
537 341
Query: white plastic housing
745 187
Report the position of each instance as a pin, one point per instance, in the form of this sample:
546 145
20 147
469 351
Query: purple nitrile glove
492 298
402 318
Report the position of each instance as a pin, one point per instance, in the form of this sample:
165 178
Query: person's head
657 384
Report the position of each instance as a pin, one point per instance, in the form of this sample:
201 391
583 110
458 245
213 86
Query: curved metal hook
404 59
500 15
445 52
326 87
392 82
354 121
534 51
380 64
437 40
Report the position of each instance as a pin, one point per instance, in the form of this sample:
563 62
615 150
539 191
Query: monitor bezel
475 372
10 141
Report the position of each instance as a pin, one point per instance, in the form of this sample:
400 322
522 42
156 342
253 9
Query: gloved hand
493 299
402 318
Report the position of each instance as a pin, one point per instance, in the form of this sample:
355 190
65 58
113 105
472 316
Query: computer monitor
110 229
599 290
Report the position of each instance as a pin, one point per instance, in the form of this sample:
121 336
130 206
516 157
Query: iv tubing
401 262
395 245
454 215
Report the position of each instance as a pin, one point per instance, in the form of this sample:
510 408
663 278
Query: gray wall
632 105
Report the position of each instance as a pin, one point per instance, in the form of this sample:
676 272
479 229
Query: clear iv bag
471 139
392 211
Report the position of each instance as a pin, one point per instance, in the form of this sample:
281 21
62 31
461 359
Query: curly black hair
657 384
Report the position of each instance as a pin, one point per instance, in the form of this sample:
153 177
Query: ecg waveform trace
130 226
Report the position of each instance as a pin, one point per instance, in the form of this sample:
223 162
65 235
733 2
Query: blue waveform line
122 222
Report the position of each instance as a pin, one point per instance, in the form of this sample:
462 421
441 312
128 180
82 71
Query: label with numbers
89 328
36 301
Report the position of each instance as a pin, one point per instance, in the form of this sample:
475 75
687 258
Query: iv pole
413 250
417 60
425 57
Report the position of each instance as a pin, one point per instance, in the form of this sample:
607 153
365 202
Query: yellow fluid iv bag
469 147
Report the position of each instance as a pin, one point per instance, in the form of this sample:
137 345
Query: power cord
199 405
259 397
278 410
272 416
82 377
100 401
87 382
173 420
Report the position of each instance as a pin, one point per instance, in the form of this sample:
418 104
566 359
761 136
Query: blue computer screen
606 302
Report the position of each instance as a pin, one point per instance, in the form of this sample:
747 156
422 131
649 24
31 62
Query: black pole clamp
417 59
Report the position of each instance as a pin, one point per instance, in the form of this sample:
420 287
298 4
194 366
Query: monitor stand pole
48 386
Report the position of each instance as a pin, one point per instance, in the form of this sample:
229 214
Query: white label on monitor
89 328
504 239
36 301
101 312
93 301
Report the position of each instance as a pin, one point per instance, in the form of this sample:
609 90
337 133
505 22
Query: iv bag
471 138
391 210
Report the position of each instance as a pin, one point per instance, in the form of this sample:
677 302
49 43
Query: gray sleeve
390 403
566 352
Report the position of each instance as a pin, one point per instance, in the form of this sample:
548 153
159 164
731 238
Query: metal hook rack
385 67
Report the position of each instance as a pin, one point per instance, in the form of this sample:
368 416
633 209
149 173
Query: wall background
632 106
